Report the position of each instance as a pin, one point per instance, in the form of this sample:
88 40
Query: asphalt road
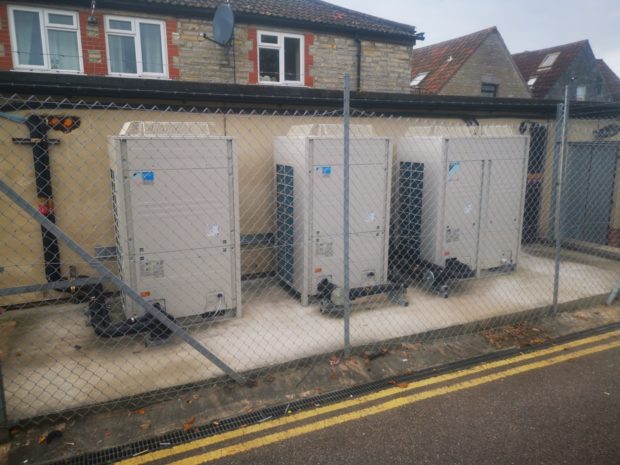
565 413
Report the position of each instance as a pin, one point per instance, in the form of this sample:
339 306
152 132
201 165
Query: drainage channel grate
199 432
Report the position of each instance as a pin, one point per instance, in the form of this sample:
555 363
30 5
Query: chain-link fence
145 251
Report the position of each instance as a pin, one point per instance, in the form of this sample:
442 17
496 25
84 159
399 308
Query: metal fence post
558 166
347 303
4 424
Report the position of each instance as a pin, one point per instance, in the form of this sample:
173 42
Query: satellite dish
223 24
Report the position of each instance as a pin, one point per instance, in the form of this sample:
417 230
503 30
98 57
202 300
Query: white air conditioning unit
176 207
470 199
310 194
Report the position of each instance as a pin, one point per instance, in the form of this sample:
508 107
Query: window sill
281 84
138 76
47 71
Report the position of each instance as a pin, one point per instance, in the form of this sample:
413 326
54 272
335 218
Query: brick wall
385 67
93 41
6 58
93 45
490 63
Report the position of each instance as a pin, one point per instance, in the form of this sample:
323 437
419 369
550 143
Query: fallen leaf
334 360
189 423
50 437
402 385
146 425
196 396
140 411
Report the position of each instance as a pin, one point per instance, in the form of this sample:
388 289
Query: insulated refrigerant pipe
38 129
149 308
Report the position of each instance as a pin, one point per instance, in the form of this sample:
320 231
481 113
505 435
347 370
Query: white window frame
581 93
418 79
135 33
549 60
45 25
280 47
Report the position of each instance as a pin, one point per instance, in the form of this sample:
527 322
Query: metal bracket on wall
613 295
120 284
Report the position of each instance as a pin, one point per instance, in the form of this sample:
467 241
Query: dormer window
531 81
417 80
549 60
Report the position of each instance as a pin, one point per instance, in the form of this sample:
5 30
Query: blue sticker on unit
326 170
453 168
144 178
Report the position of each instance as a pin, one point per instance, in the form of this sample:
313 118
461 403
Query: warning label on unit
453 169
326 249
152 268
213 230
452 235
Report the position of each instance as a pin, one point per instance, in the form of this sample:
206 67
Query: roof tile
612 81
528 63
310 11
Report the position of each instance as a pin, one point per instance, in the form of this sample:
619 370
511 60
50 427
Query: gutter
237 96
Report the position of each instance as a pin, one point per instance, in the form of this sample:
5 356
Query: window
45 40
136 47
488 90
549 60
280 58
581 93
417 80
531 81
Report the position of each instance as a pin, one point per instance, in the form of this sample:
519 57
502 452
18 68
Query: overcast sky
524 24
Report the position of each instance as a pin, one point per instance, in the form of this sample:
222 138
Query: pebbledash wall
385 67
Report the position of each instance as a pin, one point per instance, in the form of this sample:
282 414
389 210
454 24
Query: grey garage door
587 195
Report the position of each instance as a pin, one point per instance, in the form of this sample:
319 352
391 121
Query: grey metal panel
587 193
463 210
318 208
600 194
574 188
177 221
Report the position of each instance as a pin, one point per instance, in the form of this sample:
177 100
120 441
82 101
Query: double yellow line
359 410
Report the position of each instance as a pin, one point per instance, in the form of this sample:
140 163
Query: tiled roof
528 63
612 81
306 11
441 61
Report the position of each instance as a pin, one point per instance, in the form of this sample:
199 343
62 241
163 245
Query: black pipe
99 316
325 289
358 63
39 128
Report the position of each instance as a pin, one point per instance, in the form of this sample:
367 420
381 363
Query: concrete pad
55 363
